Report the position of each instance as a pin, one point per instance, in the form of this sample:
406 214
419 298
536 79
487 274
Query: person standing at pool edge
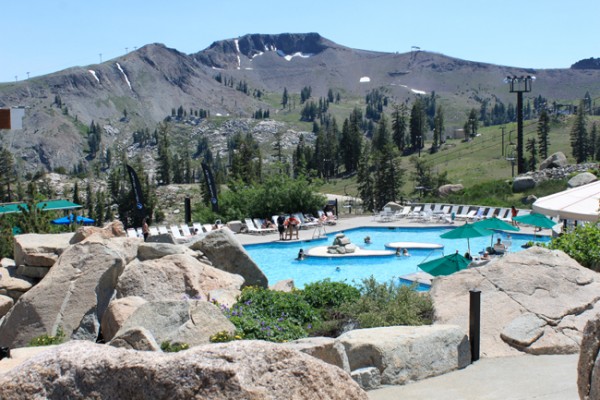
281 226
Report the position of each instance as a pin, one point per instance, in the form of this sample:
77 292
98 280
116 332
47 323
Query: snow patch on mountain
91 71
124 75
365 79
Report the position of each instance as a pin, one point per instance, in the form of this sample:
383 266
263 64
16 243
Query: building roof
48 205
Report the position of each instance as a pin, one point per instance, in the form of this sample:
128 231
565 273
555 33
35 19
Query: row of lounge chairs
178 232
257 225
446 213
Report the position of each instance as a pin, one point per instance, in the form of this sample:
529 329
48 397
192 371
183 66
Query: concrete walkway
508 378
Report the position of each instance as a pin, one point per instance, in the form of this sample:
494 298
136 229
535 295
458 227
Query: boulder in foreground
535 301
235 370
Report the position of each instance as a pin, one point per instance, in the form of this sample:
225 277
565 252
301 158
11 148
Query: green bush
326 294
582 244
270 315
388 304
169 347
46 340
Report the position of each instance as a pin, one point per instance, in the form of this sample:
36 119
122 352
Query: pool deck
349 221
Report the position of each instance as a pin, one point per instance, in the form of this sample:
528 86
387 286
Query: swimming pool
278 259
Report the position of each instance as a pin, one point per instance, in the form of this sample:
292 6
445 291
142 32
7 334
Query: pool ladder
319 232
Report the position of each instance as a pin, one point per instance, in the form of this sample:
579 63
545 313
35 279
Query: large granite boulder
325 349
5 304
174 277
13 285
556 160
522 183
581 179
137 338
588 368
226 253
447 190
535 301
191 322
73 297
40 250
117 313
236 370
110 230
404 354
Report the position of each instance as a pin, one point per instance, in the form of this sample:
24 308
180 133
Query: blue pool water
278 259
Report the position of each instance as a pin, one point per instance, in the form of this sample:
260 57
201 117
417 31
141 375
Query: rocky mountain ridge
143 87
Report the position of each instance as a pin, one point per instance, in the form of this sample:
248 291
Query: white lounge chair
197 227
186 230
402 213
504 215
259 225
207 227
153 231
140 232
175 232
415 212
163 230
252 229
478 215
490 213
131 232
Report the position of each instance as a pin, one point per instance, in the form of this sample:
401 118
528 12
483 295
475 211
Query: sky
44 36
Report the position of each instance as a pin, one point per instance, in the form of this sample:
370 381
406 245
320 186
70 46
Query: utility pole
519 85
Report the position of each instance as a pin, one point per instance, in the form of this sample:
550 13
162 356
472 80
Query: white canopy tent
580 203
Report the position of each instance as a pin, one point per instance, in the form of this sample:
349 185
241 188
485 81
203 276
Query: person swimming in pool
301 255
405 253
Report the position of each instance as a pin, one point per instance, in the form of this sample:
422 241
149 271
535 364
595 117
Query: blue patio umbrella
69 219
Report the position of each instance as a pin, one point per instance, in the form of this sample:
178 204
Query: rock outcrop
117 313
341 245
588 368
226 253
582 179
536 301
186 322
556 160
236 370
73 297
403 354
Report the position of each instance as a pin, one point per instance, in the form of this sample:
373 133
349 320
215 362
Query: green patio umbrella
445 265
495 224
467 231
535 219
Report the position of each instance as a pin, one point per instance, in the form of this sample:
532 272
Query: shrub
326 294
328 298
46 340
581 244
388 304
224 336
269 315
169 347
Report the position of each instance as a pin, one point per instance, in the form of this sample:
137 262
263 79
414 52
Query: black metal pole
474 322
188 210
520 159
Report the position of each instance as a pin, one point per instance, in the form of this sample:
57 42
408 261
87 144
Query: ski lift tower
520 85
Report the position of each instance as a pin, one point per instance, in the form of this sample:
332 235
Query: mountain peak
224 54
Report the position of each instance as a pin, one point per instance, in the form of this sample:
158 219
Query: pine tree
543 130
438 128
530 147
417 125
381 137
364 178
7 174
399 125
593 142
284 98
579 135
